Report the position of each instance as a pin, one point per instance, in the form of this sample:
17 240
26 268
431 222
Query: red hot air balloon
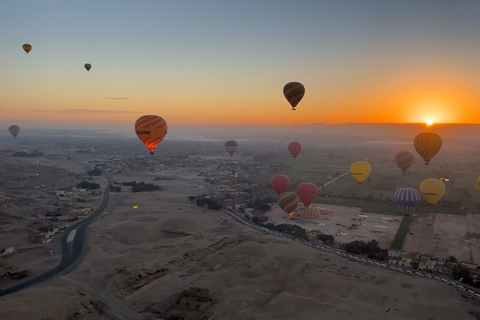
307 192
280 183
404 160
294 148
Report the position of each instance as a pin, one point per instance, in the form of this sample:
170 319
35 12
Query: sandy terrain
26 185
251 275
382 228
446 234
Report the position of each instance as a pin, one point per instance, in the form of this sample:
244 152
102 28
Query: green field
397 242
383 181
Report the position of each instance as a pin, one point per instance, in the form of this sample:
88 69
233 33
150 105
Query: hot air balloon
294 92
280 183
408 199
307 192
312 213
432 190
427 145
477 185
14 130
87 66
231 146
151 130
288 201
360 170
27 47
404 160
294 148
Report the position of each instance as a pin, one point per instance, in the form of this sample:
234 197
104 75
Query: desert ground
370 225
26 187
140 257
446 235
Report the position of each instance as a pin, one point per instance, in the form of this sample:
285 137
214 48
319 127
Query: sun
429 122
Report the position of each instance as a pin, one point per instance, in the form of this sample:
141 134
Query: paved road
472 291
71 251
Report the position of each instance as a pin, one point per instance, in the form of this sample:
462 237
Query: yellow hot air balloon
360 170
427 145
14 130
27 47
87 66
477 185
432 190
151 130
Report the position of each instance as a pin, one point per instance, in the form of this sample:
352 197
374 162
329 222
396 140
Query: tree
452 259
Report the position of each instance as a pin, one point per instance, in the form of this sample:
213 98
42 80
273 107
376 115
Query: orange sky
357 63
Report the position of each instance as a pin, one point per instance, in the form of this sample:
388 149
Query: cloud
118 98
100 111
83 111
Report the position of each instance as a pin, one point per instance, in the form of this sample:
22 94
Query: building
468 265
423 263
405 262
312 235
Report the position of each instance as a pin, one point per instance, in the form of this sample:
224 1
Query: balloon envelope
312 213
288 201
307 192
477 185
27 47
14 130
280 183
360 170
231 146
294 148
294 92
151 130
407 199
427 145
87 66
432 190
404 160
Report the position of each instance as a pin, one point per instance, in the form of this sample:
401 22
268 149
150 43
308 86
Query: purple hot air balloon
408 199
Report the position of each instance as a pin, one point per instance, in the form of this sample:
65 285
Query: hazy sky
226 62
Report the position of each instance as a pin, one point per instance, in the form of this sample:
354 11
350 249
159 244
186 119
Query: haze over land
250 274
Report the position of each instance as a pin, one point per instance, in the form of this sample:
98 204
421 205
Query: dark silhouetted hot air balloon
432 190
151 130
27 47
307 192
360 170
14 130
288 201
427 145
294 92
408 199
87 66
294 148
280 183
404 160
231 146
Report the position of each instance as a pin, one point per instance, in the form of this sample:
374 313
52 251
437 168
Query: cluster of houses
429 263
47 236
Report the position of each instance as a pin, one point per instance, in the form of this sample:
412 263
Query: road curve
71 250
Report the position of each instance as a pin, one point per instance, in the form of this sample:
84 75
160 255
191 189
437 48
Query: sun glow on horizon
429 122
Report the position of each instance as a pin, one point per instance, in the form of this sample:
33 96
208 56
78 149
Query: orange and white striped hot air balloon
151 130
